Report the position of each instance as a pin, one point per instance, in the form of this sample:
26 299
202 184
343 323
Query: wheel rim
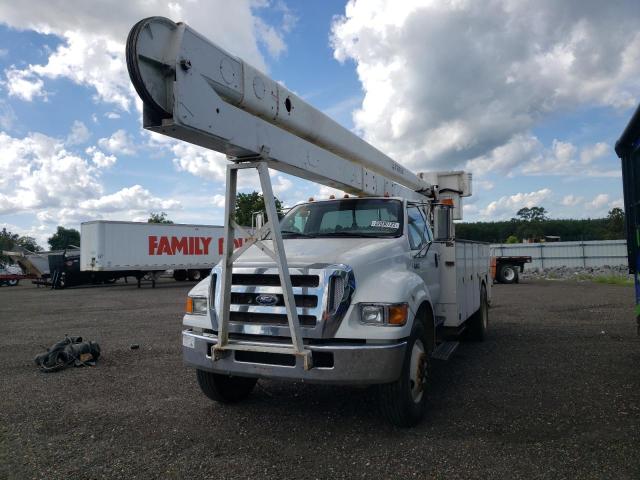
196 275
418 370
509 273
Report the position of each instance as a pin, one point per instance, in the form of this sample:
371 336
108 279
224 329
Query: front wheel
403 402
13 282
223 388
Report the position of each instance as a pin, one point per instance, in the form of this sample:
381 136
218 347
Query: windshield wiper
350 234
291 233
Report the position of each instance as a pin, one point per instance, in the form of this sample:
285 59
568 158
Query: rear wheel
478 323
223 388
508 274
13 282
403 402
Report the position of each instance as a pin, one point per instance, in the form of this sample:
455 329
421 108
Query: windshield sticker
381 224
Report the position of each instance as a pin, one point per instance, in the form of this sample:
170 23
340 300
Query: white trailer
189 250
357 290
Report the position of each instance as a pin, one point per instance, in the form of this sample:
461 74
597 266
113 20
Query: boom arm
193 90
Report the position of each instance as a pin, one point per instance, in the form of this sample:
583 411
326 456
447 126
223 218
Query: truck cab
367 286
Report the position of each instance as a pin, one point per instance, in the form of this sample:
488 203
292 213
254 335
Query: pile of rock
575 273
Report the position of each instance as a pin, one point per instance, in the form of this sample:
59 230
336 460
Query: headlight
394 314
196 305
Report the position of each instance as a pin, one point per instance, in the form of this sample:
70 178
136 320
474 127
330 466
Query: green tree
533 214
249 203
160 217
64 238
9 241
512 239
615 224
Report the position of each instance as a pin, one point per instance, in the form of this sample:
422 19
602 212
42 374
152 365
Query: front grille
270 318
305 301
271 280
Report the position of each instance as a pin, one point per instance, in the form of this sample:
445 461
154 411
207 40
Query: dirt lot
553 393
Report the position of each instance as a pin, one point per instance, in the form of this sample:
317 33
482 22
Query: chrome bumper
353 364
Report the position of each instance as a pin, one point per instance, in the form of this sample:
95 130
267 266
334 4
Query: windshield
361 217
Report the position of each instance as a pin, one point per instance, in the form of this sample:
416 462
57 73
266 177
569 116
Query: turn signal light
189 306
398 314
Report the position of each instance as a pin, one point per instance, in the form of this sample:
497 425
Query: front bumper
352 364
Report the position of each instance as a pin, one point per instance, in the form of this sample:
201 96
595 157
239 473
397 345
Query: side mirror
442 222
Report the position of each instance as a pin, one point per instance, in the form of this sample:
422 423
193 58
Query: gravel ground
552 393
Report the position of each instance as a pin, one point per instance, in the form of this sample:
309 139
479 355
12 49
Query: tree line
533 224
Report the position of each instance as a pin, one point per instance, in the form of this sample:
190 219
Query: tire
478 323
180 275
403 402
225 389
195 275
508 274
13 282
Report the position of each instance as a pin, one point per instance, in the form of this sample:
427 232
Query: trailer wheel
195 275
180 275
507 274
403 402
223 388
478 323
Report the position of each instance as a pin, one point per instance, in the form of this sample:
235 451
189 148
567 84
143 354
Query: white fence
567 254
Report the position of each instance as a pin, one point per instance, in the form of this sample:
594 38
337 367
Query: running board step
445 350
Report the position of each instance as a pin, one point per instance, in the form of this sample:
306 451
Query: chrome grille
257 302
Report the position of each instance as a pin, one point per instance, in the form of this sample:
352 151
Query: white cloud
453 80
131 198
119 142
199 161
112 115
24 85
507 206
79 133
572 200
37 171
594 152
599 201
94 34
99 158
39 175
218 200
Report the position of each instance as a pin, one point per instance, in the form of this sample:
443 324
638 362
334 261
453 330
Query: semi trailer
368 289
189 251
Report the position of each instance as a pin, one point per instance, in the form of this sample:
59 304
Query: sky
529 96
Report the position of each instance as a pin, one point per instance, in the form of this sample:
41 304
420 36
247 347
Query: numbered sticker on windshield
383 224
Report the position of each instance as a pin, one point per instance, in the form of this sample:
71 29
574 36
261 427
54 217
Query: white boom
195 91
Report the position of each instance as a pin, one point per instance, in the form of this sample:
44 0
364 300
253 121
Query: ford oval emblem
266 299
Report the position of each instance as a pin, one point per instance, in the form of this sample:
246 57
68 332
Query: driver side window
417 228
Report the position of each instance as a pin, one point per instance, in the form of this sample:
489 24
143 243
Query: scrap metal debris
71 351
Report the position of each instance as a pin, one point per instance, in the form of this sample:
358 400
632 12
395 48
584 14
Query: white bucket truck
365 289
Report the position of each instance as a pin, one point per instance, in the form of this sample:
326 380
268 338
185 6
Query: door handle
435 257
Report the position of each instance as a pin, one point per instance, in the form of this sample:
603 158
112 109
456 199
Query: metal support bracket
276 252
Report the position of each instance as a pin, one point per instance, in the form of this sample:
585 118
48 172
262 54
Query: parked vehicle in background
628 149
506 269
189 251
10 275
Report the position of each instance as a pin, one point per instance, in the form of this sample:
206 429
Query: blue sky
531 104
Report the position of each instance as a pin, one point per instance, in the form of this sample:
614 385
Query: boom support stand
277 253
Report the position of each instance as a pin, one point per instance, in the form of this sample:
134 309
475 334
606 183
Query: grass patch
614 279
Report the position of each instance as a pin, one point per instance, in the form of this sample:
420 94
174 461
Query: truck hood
316 252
